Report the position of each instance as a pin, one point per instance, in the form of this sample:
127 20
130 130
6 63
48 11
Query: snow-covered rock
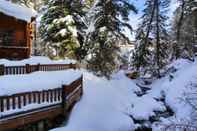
175 91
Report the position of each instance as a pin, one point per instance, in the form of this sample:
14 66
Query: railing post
81 85
64 101
1 105
74 66
27 66
77 65
70 66
38 67
2 68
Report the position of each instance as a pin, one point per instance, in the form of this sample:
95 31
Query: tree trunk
157 39
148 30
179 25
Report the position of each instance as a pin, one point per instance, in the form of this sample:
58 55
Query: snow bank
175 90
103 106
35 60
17 11
145 107
109 105
112 105
38 81
137 107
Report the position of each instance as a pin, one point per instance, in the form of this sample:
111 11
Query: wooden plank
14 70
2 68
1 105
17 122
8 103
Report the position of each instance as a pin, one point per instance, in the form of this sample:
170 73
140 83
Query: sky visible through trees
135 18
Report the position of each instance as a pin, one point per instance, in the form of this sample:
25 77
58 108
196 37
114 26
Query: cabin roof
17 11
194 8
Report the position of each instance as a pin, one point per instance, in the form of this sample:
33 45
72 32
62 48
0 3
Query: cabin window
6 37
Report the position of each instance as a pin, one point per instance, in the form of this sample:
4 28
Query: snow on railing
21 103
15 70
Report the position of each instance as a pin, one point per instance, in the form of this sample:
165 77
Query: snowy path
106 105
102 106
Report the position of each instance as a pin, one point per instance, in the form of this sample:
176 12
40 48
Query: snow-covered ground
35 60
104 105
176 91
109 105
112 105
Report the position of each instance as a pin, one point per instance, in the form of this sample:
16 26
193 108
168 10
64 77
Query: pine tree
179 23
98 25
104 29
28 3
183 28
58 29
142 54
150 55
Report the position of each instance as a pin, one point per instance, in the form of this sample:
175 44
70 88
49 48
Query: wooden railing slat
2 105
39 97
29 98
24 100
51 96
19 102
55 95
34 97
13 103
8 103
43 96
47 96
14 70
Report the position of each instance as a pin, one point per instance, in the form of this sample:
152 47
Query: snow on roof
17 11
194 8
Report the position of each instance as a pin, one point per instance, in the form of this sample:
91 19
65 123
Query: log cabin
16 30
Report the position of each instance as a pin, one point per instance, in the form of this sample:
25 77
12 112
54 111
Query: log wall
20 47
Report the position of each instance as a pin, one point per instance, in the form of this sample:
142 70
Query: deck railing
66 96
26 69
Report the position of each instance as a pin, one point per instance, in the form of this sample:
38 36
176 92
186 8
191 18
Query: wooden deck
26 69
19 110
